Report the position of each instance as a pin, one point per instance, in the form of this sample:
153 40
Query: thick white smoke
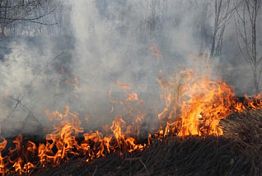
103 42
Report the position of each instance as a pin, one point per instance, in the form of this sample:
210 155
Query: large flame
194 105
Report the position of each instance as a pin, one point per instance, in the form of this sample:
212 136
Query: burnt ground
237 153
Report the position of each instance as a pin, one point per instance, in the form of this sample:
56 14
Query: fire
194 105
62 142
250 102
123 142
205 104
2 162
133 96
63 138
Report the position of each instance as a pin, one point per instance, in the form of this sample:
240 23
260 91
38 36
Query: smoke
102 42
131 42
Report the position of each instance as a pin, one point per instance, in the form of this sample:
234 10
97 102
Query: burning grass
188 136
237 152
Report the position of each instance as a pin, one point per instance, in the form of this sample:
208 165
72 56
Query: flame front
194 105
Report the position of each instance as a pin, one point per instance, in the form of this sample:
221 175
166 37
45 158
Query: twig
94 171
139 159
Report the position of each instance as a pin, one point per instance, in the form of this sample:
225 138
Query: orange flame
194 105
2 162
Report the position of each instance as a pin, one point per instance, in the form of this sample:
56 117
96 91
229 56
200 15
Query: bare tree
246 25
157 10
13 11
223 11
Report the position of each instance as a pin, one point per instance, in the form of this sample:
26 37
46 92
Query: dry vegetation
238 152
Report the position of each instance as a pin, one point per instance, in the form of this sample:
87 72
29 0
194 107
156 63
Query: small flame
2 162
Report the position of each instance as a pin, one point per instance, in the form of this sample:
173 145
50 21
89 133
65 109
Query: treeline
215 18
18 17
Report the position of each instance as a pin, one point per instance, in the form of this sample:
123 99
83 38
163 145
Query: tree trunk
254 47
2 30
256 81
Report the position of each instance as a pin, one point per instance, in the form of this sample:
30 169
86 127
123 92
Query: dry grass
238 152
